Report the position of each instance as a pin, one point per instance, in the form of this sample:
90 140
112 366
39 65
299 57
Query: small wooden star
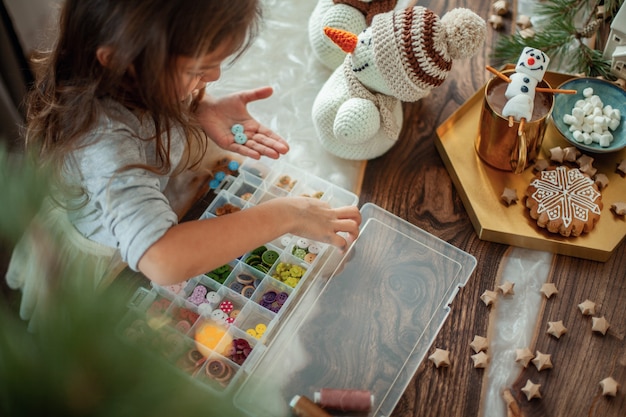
556 154
619 208
479 344
587 307
481 359
441 358
570 154
609 386
507 288
541 165
489 297
509 196
549 289
523 356
601 180
542 361
600 325
556 328
531 390
621 167
584 160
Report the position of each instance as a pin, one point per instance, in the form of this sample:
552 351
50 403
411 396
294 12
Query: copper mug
507 147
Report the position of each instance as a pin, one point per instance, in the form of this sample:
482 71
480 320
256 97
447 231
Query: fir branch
561 9
560 39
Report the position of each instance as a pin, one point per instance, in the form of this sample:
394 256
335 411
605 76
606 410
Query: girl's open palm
218 115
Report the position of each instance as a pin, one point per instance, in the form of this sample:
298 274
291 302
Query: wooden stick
555 90
498 73
540 89
511 121
520 130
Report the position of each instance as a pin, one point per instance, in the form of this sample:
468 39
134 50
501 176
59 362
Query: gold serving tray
481 186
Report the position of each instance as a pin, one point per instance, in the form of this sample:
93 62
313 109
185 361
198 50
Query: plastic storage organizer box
363 320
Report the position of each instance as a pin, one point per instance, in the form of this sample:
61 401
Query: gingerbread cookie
564 200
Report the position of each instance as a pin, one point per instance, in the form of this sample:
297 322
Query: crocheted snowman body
350 126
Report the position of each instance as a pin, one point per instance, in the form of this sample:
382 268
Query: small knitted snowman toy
401 57
351 15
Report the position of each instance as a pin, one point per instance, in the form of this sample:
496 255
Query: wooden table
412 182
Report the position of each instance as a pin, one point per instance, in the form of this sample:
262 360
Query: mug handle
522 152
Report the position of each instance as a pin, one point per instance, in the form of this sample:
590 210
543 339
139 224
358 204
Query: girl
117 109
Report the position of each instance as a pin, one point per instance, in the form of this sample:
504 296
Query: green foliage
561 39
76 362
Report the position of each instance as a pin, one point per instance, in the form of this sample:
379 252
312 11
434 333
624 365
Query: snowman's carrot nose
531 61
347 41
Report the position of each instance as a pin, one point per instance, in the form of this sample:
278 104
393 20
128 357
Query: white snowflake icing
566 194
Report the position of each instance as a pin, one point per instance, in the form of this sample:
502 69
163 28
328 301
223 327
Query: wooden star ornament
489 297
531 390
600 325
549 289
481 359
587 307
619 208
507 288
609 386
556 328
523 356
441 358
509 196
479 344
542 361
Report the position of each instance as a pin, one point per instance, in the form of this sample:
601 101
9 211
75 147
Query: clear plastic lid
366 325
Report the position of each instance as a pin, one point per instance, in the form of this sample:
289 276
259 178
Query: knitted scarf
383 102
370 9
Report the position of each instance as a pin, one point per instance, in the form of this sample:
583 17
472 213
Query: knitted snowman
399 58
351 15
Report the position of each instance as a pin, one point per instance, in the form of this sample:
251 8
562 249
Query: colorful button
233 165
314 248
226 306
309 258
247 291
206 308
302 243
282 297
183 326
269 296
260 328
213 297
237 128
241 138
245 279
269 257
219 315
236 286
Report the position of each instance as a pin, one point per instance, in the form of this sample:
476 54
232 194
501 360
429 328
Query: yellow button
260 328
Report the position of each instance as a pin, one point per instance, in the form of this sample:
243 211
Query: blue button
237 128
241 138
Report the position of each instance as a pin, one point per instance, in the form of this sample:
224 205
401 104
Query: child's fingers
256 94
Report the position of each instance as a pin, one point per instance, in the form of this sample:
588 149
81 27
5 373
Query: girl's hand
218 115
315 219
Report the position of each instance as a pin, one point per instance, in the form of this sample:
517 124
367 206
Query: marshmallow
591 121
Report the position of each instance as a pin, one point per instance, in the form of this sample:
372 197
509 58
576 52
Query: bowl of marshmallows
593 118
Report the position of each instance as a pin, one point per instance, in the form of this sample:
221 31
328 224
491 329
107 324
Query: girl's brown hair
144 38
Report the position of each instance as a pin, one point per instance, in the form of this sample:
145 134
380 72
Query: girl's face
194 73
